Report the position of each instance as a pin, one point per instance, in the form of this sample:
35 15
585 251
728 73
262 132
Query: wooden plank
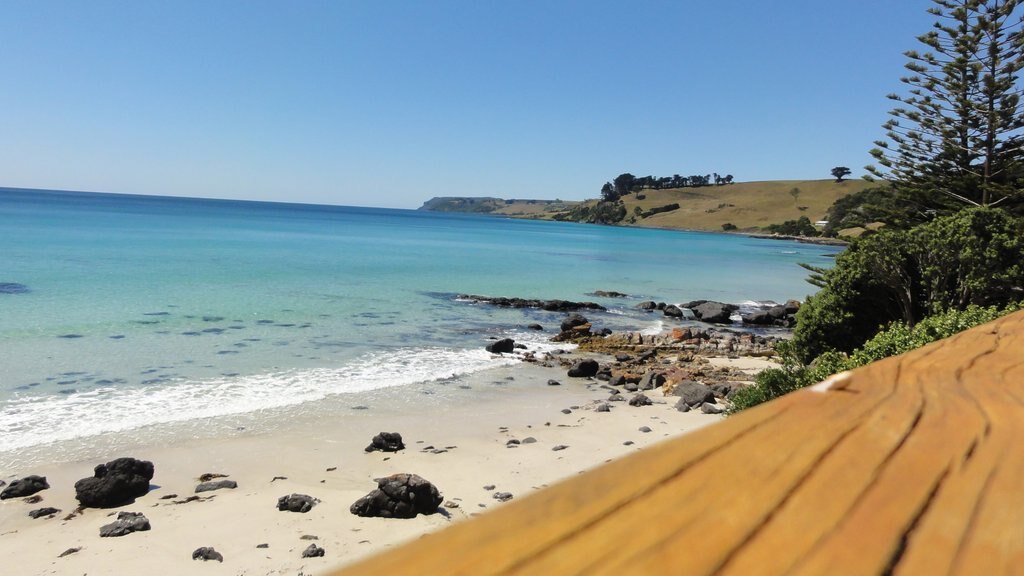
912 465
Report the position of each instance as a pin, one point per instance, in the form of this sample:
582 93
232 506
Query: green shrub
974 257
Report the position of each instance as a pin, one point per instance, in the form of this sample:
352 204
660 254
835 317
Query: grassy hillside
747 205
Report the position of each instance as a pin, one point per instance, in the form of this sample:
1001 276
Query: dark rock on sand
296 503
26 486
693 393
649 306
218 485
313 551
640 400
584 369
651 380
386 442
69 552
126 523
603 407
503 346
502 496
558 448
40 512
529 440
709 408
207 553
115 483
554 382
645 429
399 496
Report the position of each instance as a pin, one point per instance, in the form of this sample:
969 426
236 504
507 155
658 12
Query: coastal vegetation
950 256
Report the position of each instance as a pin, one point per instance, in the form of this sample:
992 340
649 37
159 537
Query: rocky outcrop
783 315
549 305
26 486
115 483
399 496
608 294
690 339
712 312
126 523
386 442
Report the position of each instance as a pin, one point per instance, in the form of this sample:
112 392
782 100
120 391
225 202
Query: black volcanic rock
26 486
126 523
301 503
115 483
207 553
399 496
573 320
584 369
386 442
503 346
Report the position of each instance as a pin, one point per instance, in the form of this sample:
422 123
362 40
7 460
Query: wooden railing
911 465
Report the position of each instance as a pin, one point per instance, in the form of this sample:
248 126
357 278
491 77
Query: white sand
234 522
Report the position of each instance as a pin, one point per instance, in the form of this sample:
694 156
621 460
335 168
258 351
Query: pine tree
958 135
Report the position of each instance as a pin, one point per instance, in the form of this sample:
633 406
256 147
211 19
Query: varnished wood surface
912 465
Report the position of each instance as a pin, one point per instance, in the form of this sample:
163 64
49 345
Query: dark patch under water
13 288
70 336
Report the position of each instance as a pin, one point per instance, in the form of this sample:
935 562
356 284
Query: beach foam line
29 421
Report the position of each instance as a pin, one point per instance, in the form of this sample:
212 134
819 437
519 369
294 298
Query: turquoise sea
121 314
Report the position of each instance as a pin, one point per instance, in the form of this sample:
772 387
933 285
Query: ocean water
130 314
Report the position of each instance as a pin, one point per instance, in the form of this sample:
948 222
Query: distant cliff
486 205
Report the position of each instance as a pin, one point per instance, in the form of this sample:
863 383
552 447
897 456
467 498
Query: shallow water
140 311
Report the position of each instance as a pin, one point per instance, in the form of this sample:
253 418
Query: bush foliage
897 338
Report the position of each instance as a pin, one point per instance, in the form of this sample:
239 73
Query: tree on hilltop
624 183
957 137
839 172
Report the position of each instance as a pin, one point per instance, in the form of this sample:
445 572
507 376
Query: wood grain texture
912 465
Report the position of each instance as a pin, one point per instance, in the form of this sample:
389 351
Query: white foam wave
654 329
33 420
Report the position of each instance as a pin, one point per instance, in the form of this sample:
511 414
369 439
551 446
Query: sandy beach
461 447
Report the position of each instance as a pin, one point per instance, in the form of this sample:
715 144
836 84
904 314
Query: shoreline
323 457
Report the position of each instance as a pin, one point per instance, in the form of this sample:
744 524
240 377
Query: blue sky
388 103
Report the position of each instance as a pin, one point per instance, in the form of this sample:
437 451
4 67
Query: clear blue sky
387 103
